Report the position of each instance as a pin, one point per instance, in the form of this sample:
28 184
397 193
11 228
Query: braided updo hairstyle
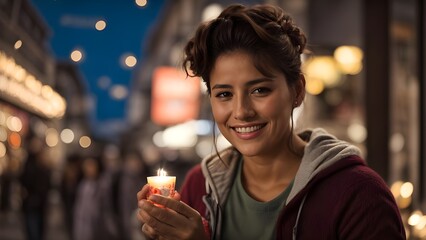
265 32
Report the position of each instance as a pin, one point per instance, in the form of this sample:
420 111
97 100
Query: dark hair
265 32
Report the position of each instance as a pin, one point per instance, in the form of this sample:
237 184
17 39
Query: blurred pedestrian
86 208
6 181
109 227
35 181
134 173
70 179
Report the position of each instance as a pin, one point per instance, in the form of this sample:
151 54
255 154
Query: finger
176 196
158 219
150 213
169 223
177 206
149 232
139 216
143 192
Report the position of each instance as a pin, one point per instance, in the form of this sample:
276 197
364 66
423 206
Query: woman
272 183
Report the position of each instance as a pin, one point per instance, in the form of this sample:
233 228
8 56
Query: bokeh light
14 123
85 141
395 188
52 137
314 86
14 140
141 3
67 135
415 217
323 68
211 11
76 55
18 44
349 59
407 189
118 92
130 61
397 142
357 132
100 25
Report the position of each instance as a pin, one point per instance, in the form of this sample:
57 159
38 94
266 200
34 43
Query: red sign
175 97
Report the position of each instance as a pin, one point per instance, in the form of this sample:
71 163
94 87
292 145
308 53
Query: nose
243 108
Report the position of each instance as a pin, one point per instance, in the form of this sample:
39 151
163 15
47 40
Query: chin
247 151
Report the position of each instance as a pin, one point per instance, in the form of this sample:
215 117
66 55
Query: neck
264 177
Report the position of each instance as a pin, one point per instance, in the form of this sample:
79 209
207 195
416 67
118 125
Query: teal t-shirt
246 218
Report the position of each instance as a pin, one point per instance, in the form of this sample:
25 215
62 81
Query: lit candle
162 184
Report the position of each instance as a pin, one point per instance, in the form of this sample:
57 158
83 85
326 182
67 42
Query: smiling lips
250 129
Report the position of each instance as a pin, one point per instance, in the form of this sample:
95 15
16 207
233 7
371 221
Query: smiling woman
248 106
270 182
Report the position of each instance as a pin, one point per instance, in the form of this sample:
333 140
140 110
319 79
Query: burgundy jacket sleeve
193 189
373 213
192 192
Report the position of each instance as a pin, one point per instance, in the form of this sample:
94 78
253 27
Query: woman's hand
168 218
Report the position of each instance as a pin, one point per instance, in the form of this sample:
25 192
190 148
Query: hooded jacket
335 195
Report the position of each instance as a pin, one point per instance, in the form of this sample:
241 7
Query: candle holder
162 184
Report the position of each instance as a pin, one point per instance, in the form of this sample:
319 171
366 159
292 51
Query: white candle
162 184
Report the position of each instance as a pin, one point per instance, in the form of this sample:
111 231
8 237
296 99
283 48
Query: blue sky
128 27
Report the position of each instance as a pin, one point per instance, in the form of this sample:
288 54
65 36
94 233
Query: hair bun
297 37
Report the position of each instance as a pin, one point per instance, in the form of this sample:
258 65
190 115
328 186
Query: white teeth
247 129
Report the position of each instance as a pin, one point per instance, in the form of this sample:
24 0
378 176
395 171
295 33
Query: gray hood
322 151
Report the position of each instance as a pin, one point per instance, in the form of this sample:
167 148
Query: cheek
220 112
276 108
220 116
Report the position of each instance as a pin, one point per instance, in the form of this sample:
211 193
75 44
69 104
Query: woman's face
251 110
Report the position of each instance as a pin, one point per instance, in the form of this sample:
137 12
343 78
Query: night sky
128 27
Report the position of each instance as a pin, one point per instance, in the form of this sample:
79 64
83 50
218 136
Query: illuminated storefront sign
175 98
22 88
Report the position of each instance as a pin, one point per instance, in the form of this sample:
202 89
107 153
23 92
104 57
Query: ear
300 91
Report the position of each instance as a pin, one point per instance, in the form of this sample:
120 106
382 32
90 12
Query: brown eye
223 95
261 90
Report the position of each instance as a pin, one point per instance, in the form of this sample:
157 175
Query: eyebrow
250 83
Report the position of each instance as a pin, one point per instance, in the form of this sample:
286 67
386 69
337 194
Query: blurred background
92 100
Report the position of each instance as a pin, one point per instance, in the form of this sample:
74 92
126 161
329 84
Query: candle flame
161 172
